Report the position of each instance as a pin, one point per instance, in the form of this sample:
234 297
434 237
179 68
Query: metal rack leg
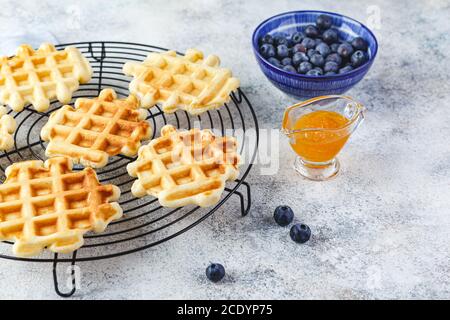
244 208
55 277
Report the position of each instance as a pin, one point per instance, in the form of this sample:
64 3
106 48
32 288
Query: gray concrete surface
380 230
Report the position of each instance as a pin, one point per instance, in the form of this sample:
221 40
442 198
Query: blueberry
318 69
359 44
298 58
267 50
329 36
300 233
334 57
318 41
282 51
298 48
334 46
314 72
289 42
318 60
324 22
330 73
215 272
311 52
345 69
275 62
280 40
345 50
323 49
283 215
297 37
267 39
311 31
286 61
304 67
331 66
358 58
289 68
308 43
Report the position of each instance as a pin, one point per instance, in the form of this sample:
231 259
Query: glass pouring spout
317 130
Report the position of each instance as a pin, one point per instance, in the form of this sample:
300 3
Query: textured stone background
380 230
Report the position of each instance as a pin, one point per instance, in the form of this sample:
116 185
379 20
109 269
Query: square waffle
96 129
7 128
51 206
187 82
38 76
181 168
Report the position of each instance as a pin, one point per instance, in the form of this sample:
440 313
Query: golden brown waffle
36 77
51 206
187 82
7 128
181 168
96 129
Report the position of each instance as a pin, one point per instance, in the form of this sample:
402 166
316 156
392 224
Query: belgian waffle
38 76
51 206
181 168
96 129
7 128
188 82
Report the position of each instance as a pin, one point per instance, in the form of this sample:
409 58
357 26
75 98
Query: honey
317 130
314 144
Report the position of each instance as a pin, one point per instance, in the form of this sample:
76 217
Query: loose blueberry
286 61
311 31
297 37
304 67
317 60
267 50
267 39
330 36
324 22
298 58
334 57
283 215
275 62
331 66
358 58
359 44
308 43
282 51
298 48
323 49
289 68
345 69
300 233
334 46
345 50
311 52
215 272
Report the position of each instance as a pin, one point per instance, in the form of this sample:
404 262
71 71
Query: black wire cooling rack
145 223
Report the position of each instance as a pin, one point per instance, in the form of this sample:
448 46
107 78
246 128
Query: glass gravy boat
317 147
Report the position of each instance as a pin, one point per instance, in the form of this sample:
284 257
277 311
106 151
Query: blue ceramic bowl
303 86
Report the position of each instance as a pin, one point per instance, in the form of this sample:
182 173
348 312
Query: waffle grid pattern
51 206
38 76
182 168
96 129
188 82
